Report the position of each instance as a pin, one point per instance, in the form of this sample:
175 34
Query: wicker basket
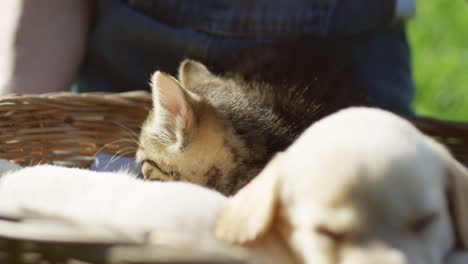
70 129
454 135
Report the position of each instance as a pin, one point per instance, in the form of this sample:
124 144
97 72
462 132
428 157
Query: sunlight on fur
219 131
360 186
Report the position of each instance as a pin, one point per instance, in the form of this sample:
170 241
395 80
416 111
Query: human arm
458 257
44 44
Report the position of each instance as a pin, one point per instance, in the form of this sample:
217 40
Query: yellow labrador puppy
361 186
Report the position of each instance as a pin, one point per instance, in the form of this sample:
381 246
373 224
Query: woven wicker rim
70 128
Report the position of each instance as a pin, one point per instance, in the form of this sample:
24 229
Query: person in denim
129 39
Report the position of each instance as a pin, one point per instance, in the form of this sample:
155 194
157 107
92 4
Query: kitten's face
184 138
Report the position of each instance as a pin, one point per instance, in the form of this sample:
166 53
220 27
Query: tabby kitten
220 131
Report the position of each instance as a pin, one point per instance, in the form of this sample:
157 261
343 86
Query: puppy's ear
193 73
250 212
458 199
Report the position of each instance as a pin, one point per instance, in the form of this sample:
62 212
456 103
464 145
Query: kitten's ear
250 213
173 109
193 73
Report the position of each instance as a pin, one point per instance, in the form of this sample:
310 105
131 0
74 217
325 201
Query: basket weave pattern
69 128
454 135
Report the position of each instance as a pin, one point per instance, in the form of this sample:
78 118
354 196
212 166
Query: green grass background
438 36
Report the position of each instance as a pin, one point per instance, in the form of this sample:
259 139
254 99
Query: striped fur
220 131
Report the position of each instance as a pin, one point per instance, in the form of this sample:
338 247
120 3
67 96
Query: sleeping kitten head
184 138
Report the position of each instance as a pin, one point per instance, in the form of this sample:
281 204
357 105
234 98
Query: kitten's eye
419 225
169 175
151 163
335 236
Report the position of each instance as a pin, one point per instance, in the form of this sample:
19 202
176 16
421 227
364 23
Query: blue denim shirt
133 38
266 18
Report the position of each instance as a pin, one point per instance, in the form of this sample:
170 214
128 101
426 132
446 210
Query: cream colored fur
171 213
360 186
114 198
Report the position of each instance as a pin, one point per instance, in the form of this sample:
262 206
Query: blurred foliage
439 39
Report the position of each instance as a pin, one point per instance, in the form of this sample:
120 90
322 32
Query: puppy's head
361 186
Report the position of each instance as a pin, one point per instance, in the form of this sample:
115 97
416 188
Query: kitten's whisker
126 154
115 142
127 129
118 154
131 149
